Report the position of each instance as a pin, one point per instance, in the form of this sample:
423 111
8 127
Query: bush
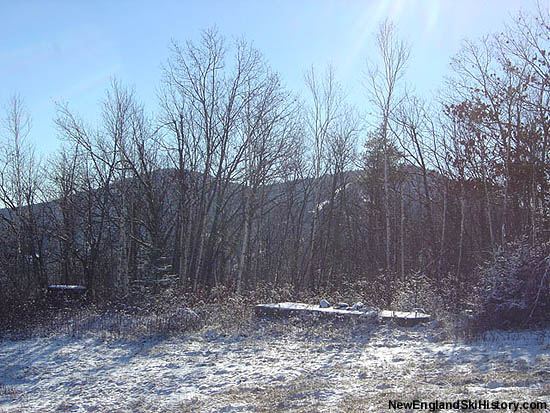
513 290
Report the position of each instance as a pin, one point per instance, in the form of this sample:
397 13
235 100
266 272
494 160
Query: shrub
513 289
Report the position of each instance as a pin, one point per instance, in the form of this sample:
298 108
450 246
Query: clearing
273 367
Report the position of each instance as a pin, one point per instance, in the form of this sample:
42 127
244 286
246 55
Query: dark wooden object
66 294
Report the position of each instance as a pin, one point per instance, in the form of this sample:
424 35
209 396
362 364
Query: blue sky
67 51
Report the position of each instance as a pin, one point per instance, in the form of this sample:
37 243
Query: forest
237 185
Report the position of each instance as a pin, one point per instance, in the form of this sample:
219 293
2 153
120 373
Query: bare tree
20 182
384 93
204 101
324 111
341 157
267 129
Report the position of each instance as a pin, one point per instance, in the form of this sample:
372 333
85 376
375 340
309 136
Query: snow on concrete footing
407 319
291 309
404 318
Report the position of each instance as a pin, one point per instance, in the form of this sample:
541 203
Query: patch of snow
342 306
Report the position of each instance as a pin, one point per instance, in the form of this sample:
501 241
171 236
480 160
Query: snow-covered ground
274 368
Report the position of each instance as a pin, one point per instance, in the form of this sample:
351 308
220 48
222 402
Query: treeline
236 182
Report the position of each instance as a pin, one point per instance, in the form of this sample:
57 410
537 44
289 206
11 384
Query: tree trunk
402 232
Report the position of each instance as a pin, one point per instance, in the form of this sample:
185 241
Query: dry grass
8 392
299 395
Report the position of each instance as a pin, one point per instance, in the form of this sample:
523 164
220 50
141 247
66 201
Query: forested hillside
236 183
